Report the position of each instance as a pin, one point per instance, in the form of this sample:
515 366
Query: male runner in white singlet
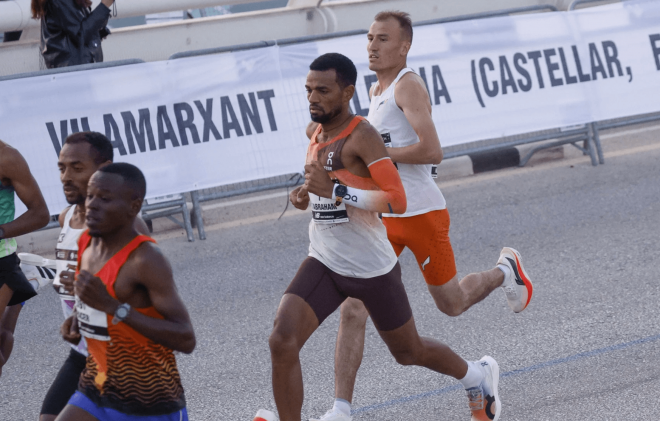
81 156
400 110
350 179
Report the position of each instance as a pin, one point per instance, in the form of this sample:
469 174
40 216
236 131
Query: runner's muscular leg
5 295
7 327
408 348
350 347
454 297
295 322
73 413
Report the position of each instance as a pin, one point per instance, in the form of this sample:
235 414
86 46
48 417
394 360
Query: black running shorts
324 290
12 276
65 384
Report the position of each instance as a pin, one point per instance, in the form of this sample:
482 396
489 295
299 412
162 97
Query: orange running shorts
427 236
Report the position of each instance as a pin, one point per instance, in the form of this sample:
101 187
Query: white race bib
325 211
92 322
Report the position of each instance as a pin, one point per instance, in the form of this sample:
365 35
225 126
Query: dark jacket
70 35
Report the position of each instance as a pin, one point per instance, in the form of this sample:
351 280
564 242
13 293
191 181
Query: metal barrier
587 135
576 3
571 136
167 209
71 69
198 197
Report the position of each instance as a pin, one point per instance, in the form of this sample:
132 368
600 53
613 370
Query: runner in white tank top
401 111
66 253
422 193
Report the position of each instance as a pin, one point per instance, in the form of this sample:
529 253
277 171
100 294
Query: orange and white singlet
349 241
126 371
422 193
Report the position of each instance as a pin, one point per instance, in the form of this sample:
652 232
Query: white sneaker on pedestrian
38 270
333 415
484 400
517 286
265 415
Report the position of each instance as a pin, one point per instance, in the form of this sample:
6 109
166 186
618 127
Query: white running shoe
265 415
518 288
38 270
333 415
484 400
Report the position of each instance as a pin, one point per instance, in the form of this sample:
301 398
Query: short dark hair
404 21
97 141
132 176
342 65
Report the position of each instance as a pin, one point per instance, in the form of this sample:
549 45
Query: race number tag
434 171
325 211
92 322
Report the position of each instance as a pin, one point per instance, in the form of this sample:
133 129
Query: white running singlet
422 193
349 241
66 253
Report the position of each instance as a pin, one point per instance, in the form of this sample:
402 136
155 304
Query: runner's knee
283 343
405 356
451 309
353 312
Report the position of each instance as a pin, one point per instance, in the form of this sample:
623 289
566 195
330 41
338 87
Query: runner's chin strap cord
298 177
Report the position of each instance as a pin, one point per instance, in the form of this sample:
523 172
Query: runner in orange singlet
401 111
129 311
349 179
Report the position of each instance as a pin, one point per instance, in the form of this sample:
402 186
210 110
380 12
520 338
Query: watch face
341 190
122 312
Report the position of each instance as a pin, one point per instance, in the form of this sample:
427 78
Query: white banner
215 120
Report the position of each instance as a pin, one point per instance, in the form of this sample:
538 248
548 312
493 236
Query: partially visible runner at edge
349 179
81 156
15 289
127 308
401 110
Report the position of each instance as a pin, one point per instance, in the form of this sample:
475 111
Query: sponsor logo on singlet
387 139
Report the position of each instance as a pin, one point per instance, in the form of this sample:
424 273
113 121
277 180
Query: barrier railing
566 138
576 3
586 138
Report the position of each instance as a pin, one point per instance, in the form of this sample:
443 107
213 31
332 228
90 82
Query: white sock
342 406
507 272
474 375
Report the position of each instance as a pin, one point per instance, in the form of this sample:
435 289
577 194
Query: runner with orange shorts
401 111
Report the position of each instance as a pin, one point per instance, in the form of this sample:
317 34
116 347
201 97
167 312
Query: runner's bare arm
149 269
369 148
412 97
15 172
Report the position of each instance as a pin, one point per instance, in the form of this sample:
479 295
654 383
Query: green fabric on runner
7 213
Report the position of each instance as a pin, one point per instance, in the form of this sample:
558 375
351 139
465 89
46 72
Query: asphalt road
585 349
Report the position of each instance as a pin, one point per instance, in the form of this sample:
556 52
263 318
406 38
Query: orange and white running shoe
265 415
483 400
517 286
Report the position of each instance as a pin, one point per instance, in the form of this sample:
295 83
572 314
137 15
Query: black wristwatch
340 191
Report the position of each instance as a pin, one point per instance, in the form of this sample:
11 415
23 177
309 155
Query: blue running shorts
106 414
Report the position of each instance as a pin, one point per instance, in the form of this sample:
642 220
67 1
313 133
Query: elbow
437 156
42 218
189 344
400 205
